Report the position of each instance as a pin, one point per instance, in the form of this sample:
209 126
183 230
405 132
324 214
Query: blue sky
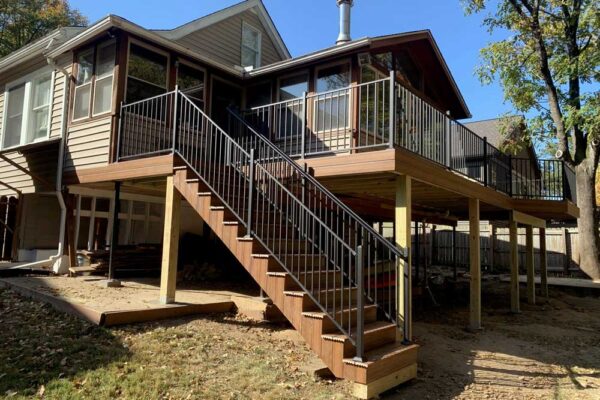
308 25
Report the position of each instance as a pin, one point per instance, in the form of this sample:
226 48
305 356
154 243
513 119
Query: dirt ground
133 295
549 351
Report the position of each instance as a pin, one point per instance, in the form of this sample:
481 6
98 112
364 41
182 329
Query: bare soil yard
549 351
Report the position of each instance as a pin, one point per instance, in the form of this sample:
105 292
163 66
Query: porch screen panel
146 74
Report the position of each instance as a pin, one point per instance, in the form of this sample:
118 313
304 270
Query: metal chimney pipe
344 35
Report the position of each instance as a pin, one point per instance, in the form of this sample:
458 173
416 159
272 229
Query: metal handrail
388 118
370 240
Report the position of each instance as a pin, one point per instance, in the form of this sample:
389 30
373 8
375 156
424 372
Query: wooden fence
435 247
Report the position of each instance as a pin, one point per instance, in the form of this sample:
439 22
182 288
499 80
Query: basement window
27 109
251 38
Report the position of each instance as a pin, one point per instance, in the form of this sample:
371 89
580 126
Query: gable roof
373 43
218 16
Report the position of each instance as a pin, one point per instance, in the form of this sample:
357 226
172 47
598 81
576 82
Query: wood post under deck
475 265
543 264
514 267
402 227
168 274
529 264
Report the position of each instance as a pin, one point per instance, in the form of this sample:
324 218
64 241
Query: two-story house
140 135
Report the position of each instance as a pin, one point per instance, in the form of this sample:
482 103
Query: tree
24 21
548 67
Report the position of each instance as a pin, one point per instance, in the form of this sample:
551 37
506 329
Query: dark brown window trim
94 46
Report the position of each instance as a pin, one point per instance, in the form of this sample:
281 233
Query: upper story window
27 110
251 38
146 73
293 87
94 81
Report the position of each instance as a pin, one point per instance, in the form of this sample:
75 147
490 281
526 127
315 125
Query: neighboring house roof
218 16
39 47
492 130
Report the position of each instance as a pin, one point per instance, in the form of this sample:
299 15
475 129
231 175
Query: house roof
38 47
370 42
167 39
211 19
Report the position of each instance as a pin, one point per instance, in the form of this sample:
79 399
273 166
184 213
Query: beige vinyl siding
88 144
41 161
223 40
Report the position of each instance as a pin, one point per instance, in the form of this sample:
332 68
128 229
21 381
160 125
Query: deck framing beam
168 274
526 219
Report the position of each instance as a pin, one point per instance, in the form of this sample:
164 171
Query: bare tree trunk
587 223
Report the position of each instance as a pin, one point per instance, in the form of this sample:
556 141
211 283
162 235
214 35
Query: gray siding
223 40
88 144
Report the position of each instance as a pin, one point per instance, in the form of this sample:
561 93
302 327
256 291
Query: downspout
58 261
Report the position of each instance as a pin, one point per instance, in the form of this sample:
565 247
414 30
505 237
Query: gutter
57 262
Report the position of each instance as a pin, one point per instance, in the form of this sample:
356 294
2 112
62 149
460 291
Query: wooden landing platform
575 283
135 302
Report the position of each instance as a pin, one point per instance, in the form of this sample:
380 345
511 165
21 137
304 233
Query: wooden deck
366 181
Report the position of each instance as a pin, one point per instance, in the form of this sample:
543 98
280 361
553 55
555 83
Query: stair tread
370 328
321 314
381 353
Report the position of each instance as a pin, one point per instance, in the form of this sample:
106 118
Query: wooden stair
389 362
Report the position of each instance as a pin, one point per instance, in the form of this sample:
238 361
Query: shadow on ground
40 345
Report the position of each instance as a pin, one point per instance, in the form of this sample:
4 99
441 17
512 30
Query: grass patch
57 356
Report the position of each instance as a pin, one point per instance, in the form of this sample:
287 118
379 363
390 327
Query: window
251 38
146 73
332 108
27 111
191 82
293 87
291 116
93 90
258 95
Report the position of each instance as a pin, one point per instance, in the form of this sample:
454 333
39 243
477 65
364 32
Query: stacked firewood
125 259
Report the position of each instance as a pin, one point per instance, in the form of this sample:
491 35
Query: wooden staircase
388 362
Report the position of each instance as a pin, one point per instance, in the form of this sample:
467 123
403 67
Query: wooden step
341 316
376 334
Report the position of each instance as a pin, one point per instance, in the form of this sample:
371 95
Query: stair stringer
296 305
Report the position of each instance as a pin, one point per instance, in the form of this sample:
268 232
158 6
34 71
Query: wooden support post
543 264
402 233
168 275
514 267
529 264
475 265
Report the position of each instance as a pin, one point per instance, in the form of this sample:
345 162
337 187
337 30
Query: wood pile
126 259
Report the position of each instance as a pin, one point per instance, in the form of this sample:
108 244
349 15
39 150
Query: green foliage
551 46
24 21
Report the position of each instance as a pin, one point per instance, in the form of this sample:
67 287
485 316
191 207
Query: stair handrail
224 143
400 254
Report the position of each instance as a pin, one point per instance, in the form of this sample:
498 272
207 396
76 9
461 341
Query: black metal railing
359 118
332 255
